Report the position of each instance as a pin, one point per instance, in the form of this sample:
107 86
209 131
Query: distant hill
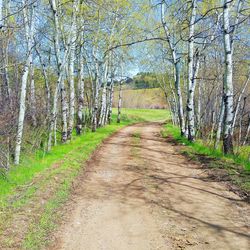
143 80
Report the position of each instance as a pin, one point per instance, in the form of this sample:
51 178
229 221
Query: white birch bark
61 65
176 62
198 126
71 70
228 81
104 97
32 95
220 124
22 105
46 83
80 102
111 97
239 101
191 75
97 84
119 103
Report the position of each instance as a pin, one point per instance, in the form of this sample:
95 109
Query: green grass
149 115
237 166
24 182
199 147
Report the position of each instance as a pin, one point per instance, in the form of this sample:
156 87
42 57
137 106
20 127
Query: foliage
144 80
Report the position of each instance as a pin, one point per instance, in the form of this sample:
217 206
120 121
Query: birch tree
191 73
228 81
28 14
71 69
80 102
176 63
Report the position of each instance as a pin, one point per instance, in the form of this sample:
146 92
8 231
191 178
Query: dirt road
139 193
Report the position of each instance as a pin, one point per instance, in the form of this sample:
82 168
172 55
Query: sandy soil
139 193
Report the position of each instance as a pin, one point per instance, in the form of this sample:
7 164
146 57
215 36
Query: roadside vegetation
230 167
40 185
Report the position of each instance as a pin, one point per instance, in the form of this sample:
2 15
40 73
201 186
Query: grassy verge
235 168
37 188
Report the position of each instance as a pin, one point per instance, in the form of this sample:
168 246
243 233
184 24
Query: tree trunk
220 124
176 62
61 69
119 103
191 75
32 95
96 97
248 131
104 98
46 83
22 105
228 83
111 97
80 94
238 102
71 71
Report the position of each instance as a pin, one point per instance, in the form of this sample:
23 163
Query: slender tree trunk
248 131
22 105
176 62
80 94
191 75
228 83
198 110
212 126
61 69
95 107
46 83
220 124
179 95
111 97
96 97
32 95
119 103
241 120
71 70
53 119
238 102
64 105
6 53
104 98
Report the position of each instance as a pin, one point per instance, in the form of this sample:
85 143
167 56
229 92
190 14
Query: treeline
57 70
144 80
203 57
60 60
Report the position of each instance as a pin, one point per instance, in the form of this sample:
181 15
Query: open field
141 98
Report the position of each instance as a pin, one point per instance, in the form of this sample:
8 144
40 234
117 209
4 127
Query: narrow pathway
138 193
